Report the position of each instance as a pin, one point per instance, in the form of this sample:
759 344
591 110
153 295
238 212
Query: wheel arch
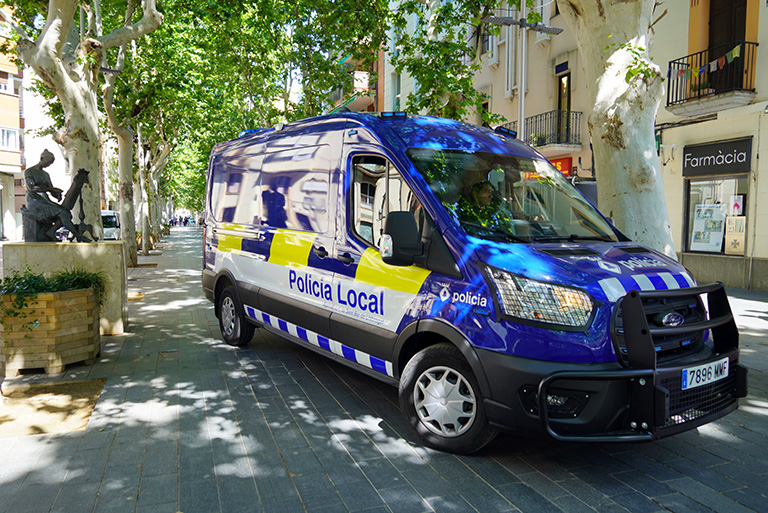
224 279
429 332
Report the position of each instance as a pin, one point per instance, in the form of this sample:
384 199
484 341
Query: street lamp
522 51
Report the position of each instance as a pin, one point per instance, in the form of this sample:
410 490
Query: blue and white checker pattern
616 288
320 341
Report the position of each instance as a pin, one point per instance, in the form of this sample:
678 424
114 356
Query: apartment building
556 99
710 130
11 125
709 127
367 87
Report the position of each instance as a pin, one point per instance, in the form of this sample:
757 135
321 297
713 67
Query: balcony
362 93
721 77
554 133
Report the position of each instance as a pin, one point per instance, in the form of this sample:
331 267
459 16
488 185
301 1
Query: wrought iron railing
720 69
553 127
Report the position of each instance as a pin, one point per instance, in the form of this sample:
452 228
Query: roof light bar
506 131
251 131
398 114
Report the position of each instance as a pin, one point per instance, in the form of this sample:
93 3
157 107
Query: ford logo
673 319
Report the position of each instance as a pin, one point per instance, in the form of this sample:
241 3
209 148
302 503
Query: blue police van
457 264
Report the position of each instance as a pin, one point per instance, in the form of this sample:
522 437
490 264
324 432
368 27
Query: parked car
110 222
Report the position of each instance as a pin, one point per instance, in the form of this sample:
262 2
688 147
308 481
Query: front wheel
441 401
235 330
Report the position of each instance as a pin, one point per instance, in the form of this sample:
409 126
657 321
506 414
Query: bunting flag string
713 66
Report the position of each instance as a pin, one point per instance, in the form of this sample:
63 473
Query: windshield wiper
572 238
496 231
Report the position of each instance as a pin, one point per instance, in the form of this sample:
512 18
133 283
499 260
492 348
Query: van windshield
504 197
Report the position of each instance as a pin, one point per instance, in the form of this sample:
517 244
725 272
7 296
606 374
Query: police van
457 264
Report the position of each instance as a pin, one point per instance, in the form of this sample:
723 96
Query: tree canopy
213 69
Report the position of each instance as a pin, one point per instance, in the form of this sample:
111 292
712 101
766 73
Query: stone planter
66 331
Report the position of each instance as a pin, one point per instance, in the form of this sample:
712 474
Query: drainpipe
754 202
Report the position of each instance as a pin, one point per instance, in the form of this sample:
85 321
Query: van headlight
540 301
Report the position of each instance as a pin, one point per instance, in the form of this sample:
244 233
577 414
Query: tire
235 330
441 401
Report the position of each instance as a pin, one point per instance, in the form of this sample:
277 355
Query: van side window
294 189
369 189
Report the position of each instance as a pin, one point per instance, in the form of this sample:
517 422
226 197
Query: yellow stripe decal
229 243
291 248
373 271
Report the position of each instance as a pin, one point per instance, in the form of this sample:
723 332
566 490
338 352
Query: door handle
346 258
320 251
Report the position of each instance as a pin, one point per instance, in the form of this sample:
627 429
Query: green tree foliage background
218 67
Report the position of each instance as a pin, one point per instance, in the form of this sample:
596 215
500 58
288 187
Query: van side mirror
401 242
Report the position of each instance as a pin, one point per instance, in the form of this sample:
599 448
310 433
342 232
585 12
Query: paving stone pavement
187 423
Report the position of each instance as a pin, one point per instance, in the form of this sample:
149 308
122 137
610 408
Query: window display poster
708 228
737 205
734 234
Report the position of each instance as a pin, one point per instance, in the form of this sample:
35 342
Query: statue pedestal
107 257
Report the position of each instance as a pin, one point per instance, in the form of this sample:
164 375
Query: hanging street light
524 25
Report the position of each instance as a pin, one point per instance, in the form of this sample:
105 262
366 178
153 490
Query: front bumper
656 405
638 401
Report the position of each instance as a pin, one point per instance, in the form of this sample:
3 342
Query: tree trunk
614 38
143 198
127 214
124 135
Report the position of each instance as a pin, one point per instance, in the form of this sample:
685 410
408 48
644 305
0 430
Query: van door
297 226
375 300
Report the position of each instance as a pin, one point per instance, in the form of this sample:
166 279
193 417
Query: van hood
608 271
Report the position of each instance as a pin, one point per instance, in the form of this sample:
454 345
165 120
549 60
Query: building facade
710 131
709 128
11 162
556 102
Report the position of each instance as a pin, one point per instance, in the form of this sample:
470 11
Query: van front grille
667 347
688 405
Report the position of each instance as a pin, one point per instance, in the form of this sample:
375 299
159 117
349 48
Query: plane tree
625 88
262 62
438 44
64 42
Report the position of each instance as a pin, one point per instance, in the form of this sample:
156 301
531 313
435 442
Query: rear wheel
441 401
235 330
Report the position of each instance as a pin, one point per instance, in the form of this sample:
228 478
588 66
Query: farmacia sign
719 158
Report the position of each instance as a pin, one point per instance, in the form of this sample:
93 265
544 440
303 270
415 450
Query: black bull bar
654 395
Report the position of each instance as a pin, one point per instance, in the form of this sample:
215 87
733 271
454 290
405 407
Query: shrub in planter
49 321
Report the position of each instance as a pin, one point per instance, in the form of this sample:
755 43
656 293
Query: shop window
716 217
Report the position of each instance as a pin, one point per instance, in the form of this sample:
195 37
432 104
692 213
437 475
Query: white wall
34 120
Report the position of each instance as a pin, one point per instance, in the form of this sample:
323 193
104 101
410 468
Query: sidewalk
187 423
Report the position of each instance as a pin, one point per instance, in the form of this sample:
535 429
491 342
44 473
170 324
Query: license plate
705 374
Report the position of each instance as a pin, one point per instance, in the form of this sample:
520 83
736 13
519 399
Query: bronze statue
42 215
